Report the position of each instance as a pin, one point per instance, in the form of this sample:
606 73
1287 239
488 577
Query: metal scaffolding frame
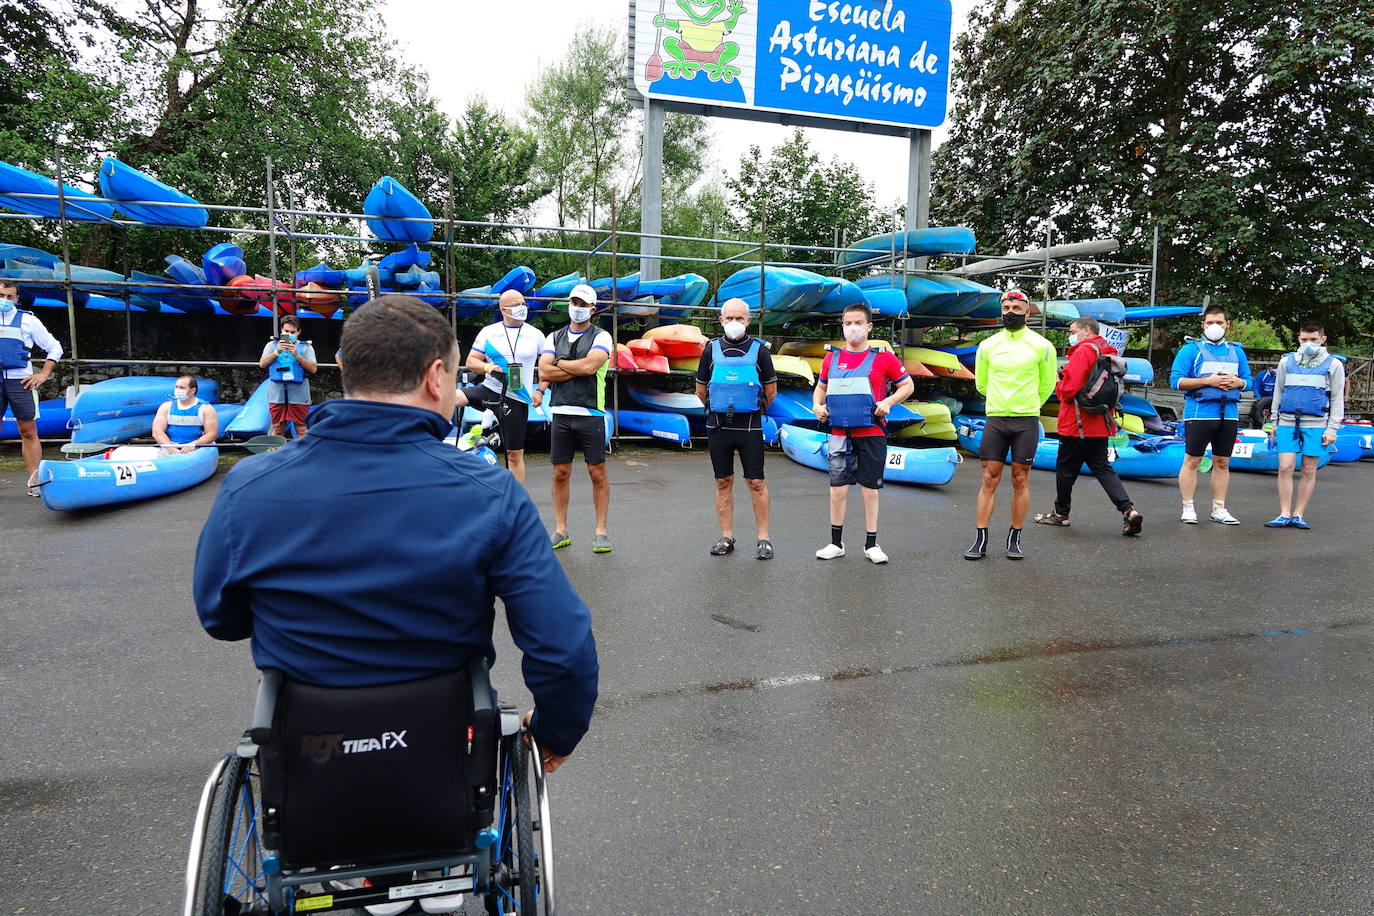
278 228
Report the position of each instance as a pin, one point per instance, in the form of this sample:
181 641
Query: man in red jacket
1082 435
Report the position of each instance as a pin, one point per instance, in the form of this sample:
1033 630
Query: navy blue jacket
370 552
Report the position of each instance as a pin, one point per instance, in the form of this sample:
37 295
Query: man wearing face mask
513 342
573 369
1083 436
851 395
735 379
19 332
1309 401
289 362
185 422
1015 371
1211 373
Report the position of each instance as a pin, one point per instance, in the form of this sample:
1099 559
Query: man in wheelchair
363 563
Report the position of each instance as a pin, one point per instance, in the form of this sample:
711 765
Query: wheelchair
387 783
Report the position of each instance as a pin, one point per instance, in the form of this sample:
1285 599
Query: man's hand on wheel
551 760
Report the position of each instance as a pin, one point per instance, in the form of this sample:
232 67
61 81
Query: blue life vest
1207 363
849 393
1264 384
13 353
286 369
1306 390
184 425
735 384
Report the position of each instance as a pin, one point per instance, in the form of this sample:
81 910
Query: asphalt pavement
1177 723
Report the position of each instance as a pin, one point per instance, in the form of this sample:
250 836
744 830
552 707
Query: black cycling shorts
1219 434
512 416
22 402
724 443
857 459
569 433
1018 435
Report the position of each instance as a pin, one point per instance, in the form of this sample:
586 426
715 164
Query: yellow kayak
928 430
796 366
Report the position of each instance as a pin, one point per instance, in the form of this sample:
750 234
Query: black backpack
1101 393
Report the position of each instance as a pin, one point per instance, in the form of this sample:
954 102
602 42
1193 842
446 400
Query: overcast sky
495 49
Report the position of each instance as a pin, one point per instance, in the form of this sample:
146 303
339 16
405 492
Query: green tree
1239 129
801 200
579 110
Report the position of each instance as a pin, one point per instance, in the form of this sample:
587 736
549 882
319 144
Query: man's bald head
734 310
511 297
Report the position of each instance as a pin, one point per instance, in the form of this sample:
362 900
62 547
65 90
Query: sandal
723 546
1133 520
1052 518
765 550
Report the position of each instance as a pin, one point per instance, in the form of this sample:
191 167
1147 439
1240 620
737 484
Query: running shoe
830 552
1279 521
1220 514
601 544
559 539
1298 521
1189 516
875 554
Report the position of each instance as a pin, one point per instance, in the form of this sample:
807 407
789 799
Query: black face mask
1013 321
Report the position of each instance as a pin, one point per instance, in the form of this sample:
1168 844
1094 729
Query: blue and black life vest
286 368
14 354
849 393
1306 389
735 384
184 424
1209 362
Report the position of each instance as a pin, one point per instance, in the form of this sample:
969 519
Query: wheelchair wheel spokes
516 868
229 876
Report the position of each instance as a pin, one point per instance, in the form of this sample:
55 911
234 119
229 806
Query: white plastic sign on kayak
896 460
1111 453
125 475
1243 450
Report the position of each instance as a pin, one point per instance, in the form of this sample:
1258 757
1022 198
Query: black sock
870 539
1013 538
837 535
980 540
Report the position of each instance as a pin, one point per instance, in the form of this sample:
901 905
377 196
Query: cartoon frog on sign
701 43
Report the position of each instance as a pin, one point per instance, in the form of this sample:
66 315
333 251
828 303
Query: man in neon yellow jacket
1015 373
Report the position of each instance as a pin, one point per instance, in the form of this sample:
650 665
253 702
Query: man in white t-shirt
574 365
497 351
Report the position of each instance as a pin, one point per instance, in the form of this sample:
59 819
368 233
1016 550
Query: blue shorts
1309 444
20 401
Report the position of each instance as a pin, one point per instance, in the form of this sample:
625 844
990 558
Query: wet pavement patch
996 656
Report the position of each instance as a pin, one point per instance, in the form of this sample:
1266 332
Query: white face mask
6 305
519 312
1073 340
1310 349
735 330
182 394
579 313
1214 332
855 333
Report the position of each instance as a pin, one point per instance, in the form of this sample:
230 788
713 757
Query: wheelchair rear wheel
229 877
519 864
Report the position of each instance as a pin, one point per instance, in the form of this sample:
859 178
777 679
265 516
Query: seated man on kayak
185 422
421 541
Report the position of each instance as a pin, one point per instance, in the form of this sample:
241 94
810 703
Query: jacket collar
376 422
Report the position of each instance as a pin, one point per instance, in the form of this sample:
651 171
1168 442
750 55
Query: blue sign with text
880 61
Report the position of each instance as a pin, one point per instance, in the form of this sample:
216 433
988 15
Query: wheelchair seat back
377 774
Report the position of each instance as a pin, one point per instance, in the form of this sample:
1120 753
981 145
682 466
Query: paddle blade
654 68
259 444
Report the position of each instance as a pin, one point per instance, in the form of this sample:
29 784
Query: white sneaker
1189 516
829 552
875 553
447 903
1220 514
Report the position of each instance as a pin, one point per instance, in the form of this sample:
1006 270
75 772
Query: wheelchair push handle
265 707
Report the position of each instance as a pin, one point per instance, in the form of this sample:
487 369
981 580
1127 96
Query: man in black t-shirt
736 382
